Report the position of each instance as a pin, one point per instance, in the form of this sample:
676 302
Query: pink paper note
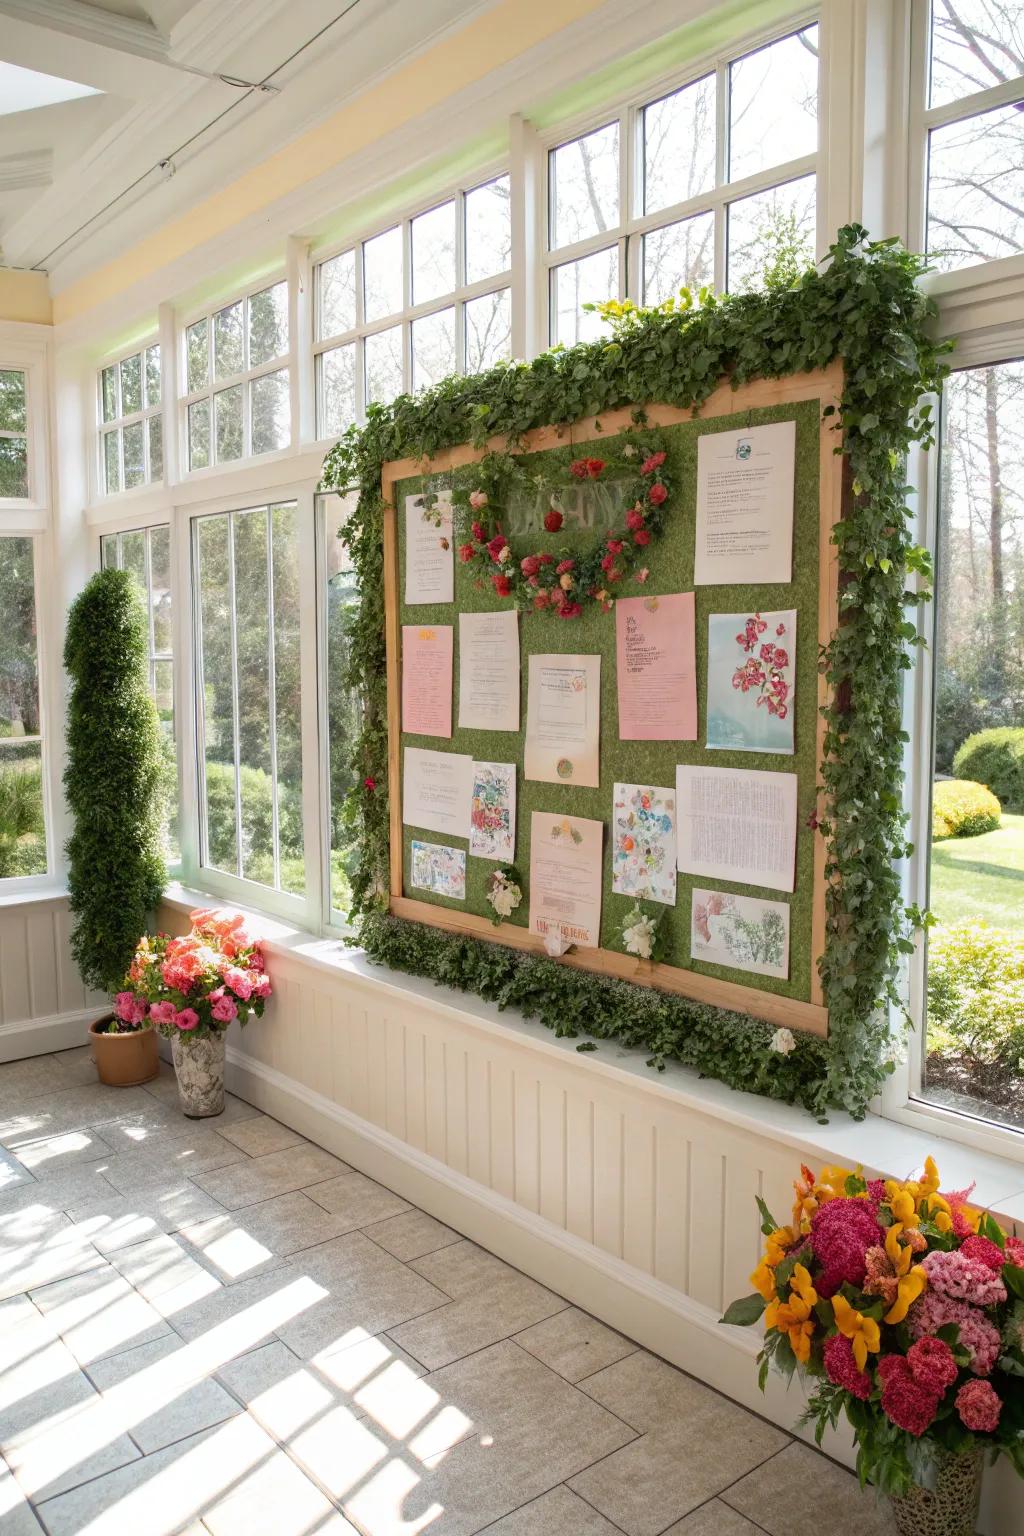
427 679
656 668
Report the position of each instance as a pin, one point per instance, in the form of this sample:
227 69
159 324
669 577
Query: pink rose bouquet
197 983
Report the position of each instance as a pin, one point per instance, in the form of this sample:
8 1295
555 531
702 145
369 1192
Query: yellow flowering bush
961 808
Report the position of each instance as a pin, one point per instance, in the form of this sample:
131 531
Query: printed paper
427 679
565 879
563 714
492 832
644 843
439 869
429 558
745 481
737 824
489 671
437 789
741 932
751 664
656 671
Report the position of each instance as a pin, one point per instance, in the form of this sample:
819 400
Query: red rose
466 553
545 559
594 467
607 562
477 531
529 565
615 546
651 463
634 518
657 494
569 611
370 784
502 586
541 601
563 566
496 546
642 537
553 520
579 469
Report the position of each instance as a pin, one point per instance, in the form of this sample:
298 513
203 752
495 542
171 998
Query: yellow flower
863 1332
910 1288
795 1317
930 1183
763 1281
899 1254
903 1202
777 1245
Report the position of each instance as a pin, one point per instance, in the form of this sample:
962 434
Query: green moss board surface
671 566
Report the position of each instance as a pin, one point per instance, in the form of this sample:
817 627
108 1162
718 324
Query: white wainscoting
43 1003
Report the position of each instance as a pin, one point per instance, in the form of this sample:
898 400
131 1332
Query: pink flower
138 1012
963 1278
780 629
495 547
541 601
634 518
224 1010
187 1018
984 1251
1015 1251
978 1336
651 463
124 1002
163 1013
842 1231
239 982
700 921
466 553
657 494
642 537
932 1365
904 1400
841 1367
642 574
607 562
477 531
477 500
563 566
979 1406
529 565
261 985
614 546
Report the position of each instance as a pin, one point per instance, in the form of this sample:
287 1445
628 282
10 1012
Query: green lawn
981 876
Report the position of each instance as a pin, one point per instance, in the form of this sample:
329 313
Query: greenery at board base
113 779
862 306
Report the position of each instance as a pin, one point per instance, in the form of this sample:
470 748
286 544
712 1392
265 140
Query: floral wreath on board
552 579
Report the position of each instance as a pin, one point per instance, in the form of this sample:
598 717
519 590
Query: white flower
639 937
629 451
503 894
782 1041
555 944
477 499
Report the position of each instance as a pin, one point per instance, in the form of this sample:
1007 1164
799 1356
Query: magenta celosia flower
979 1406
984 1251
932 1365
963 1278
904 1400
977 1335
842 1231
1015 1251
841 1367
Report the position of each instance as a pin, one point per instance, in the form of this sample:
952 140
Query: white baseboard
38 1037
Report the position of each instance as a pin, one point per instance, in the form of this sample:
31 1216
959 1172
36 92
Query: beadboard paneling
38 979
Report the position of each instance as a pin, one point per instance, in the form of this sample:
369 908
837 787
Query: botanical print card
427 679
742 932
492 828
429 557
644 843
440 869
751 663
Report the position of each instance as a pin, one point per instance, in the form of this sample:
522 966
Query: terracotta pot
124 1061
199 1063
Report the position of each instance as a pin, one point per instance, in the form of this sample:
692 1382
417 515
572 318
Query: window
342 704
146 552
662 198
973 127
421 300
238 397
246 583
13 435
131 422
22 828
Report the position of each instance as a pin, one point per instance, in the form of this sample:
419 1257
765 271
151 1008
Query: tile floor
218 1329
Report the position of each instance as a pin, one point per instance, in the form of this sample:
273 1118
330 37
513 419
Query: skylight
23 89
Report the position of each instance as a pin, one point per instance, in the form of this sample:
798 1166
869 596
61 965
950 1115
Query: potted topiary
113 783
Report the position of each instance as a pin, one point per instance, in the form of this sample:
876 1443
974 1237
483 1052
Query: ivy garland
864 306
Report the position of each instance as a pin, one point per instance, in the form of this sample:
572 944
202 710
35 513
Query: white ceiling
80 180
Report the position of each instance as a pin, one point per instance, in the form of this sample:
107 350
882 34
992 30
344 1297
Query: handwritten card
745 482
489 671
741 932
751 659
656 669
427 679
439 869
492 830
737 824
644 843
565 878
429 558
563 715
437 789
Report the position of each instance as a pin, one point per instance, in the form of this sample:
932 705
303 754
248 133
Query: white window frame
17 885
118 423
23 349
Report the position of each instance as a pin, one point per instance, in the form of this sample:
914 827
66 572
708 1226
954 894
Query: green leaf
740 1314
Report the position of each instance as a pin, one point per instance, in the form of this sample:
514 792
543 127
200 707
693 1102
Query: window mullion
235 726
275 819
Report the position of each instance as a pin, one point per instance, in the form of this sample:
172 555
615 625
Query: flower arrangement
903 1306
197 984
642 933
504 891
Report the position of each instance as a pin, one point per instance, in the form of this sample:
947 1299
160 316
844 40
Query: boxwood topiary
995 758
116 871
961 808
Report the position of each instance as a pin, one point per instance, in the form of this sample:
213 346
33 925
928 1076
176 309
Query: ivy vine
862 305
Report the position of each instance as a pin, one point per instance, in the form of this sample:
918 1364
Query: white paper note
745 482
429 558
489 671
437 791
565 878
737 824
563 720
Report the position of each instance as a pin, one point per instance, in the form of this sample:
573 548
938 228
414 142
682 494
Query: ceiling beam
32 168
77 41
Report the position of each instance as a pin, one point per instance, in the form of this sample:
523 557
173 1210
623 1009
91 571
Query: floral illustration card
492 828
740 931
438 868
751 663
644 843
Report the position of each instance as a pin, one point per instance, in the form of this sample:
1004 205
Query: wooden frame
825 386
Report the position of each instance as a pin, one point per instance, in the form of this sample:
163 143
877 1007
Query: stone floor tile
13 1173
357 1201
236 1318
256 1238
16 1517
52 1155
798 1492
412 1235
177 1154
160 1270
70 1109
72 1436
275 1498
490 1301
574 1344
38 1373
25 1080
160 1393
560 1511
261 1135
715 1519
121 1220
58 1191
98 1313
38 1245
74 1068
276 1174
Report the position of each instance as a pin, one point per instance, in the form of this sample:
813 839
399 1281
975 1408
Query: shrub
257 821
113 778
995 758
976 992
22 848
961 808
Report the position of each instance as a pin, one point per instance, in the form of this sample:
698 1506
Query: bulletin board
796 1002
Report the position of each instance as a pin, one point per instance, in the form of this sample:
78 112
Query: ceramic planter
199 1063
948 1505
124 1060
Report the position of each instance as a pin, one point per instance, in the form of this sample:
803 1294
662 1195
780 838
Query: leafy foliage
995 758
976 993
863 306
113 778
21 819
961 808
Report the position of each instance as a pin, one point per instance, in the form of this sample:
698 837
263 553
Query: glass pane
156 447
160 592
108 552
679 145
227 415
976 189
152 376
433 348
199 434
13 408
163 695
976 948
585 186
271 412
488 330
268 324
19 678
22 825
433 253
133 556
112 461
773 104
197 355
771 237
337 370
288 696
679 256
108 392
384 365
975 44
228 342
488 230
337 291
589 281
217 698
252 617
134 456
382 275
131 384
343 713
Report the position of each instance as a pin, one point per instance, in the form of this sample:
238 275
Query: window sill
34 895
